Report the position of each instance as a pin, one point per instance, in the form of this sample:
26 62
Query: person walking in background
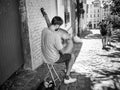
109 33
103 32
54 51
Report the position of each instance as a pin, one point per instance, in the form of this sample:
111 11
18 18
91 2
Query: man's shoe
103 47
70 80
73 70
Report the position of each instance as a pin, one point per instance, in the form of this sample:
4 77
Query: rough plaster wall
36 23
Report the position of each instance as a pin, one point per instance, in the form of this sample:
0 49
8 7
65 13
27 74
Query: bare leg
106 40
109 40
103 41
70 64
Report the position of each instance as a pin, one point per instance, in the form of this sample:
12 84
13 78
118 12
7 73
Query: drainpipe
78 18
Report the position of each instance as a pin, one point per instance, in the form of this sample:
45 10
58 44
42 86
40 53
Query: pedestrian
54 51
103 32
109 33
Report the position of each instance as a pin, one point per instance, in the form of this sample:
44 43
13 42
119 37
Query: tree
115 11
115 7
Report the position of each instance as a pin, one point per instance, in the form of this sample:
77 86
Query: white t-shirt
51 44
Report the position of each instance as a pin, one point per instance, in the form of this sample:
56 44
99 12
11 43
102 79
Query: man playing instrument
53 49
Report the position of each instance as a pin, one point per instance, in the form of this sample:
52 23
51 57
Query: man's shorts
103 32
64 58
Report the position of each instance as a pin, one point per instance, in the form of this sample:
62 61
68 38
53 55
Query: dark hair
103 20
57 20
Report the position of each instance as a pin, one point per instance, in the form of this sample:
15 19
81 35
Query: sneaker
103 47
72 70
70 80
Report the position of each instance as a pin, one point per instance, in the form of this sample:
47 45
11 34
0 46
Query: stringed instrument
63 33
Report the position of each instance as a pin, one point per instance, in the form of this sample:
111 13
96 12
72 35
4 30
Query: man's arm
68 48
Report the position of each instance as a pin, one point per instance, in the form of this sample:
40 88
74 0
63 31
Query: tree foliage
115 7
115 11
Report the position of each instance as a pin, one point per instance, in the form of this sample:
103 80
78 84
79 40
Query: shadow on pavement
93 36
114 61
109 78
106 48
113 55
108 73
118 49
110 45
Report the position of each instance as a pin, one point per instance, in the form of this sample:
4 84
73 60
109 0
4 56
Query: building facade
105 9
96 12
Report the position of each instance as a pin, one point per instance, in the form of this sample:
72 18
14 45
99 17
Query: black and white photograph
59 44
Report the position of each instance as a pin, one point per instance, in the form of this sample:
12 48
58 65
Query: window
91 15
94 25
98 10
94 11
87 16
91 5
98 15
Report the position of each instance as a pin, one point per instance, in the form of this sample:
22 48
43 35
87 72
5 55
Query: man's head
57 21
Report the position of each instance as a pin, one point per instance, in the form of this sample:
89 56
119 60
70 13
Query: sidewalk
98 64
92 57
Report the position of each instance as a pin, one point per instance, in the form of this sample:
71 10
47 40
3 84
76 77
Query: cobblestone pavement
92 61
92 57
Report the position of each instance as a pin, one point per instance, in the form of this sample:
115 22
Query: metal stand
51 67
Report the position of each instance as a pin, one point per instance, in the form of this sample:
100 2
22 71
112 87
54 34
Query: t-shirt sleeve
58 43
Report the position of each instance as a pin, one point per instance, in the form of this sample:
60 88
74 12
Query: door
11 57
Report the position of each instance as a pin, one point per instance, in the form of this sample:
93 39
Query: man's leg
68 59
70 64
109 40
103 42
106 40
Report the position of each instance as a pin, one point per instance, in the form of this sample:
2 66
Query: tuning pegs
42 9
43 12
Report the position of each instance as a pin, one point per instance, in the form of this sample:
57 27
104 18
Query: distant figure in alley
53 49
109 32
103 32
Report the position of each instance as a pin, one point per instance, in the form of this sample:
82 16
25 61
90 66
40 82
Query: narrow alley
37 33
